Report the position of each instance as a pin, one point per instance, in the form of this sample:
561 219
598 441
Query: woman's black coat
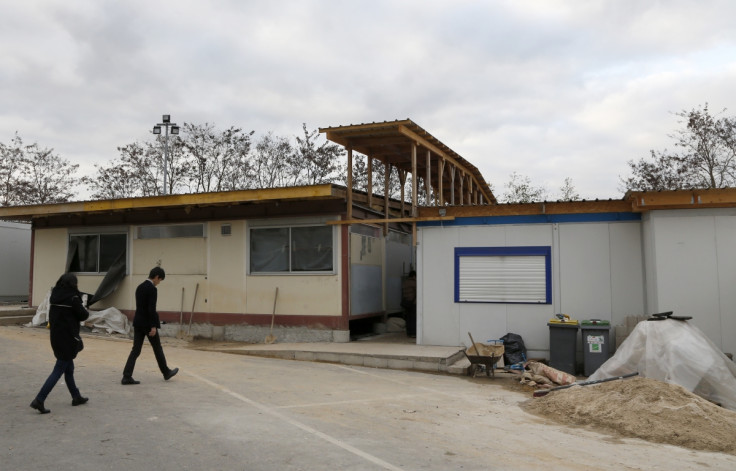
65 314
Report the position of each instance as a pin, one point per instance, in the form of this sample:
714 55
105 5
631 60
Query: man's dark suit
145 319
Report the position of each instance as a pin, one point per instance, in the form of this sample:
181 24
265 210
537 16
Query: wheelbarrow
482 356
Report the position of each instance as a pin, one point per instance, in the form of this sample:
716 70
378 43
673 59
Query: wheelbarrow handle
473 343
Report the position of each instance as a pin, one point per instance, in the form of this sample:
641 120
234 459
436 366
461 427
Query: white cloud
548 89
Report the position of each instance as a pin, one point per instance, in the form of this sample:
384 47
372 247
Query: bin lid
595 322
562 319
565 322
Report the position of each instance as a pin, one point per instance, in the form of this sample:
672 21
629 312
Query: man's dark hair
67 280
157 272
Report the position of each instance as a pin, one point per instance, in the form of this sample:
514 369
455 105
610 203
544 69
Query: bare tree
115 181
219 161
314 163
270 162
137 172
519 189
568 192
11 166
704 156
34 175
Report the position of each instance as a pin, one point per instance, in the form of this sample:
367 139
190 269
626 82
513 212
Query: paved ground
239 412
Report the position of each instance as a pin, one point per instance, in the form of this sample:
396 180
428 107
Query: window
171 231
96 253
298 249
503 275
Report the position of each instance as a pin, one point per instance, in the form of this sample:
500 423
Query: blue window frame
510 275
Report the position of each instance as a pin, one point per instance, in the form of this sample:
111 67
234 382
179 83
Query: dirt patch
642 408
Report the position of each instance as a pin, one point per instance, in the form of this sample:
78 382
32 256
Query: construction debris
677 352
642 408
544 376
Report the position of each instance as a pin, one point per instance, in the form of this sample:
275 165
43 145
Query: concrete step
15 320
14 315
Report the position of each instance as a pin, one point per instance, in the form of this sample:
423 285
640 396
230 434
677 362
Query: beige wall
303 295
185 263
49 261
226 268
214 266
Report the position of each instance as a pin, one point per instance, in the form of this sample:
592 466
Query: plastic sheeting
110 320
110 282
675 352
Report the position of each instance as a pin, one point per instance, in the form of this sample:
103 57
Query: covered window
96 253
295 249
171 231
503 275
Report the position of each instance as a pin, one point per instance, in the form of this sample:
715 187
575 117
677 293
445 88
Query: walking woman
65 314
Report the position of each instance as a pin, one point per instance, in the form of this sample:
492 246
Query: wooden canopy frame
404 145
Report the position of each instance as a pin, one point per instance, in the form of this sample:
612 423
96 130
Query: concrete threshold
398 356
12 315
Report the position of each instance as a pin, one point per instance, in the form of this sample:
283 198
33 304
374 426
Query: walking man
146 324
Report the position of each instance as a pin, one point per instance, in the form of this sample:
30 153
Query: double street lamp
174 130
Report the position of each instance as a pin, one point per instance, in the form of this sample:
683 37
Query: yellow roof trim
198 199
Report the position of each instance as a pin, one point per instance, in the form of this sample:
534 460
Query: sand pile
642 408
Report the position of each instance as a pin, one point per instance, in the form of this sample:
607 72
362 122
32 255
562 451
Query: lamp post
166 122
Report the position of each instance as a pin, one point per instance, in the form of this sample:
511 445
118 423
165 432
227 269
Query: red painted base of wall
311 322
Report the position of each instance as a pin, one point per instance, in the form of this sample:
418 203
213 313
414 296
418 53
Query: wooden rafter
394 143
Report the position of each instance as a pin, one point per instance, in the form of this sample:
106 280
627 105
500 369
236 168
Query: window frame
291 271
170 231
517 251
98 234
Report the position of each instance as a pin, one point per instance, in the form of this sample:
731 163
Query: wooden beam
413 178
424 143
369 188
462 187
526 209
452 185
440 176
428 180
350 183
386 185
393 220
402 182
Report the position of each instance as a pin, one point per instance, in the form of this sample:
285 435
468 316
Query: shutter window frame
503 275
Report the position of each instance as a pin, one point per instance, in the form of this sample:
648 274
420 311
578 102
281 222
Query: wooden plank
392 220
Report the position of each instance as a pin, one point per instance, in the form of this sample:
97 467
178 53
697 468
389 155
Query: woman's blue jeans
62 367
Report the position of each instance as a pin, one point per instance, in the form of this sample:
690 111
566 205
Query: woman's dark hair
157 272
67 280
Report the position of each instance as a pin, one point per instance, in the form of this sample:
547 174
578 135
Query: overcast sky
547 89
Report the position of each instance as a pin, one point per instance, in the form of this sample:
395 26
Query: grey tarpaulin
110 282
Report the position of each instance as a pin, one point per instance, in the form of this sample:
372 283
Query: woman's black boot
38 405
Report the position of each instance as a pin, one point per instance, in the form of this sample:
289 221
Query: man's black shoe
129 380
78 401
38 405
171 374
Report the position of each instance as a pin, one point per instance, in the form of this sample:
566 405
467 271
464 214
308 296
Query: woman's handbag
80 344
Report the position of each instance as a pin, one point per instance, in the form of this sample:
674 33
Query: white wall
691 265
15 260
597 272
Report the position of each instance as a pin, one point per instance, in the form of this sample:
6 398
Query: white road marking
296 423
352 401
